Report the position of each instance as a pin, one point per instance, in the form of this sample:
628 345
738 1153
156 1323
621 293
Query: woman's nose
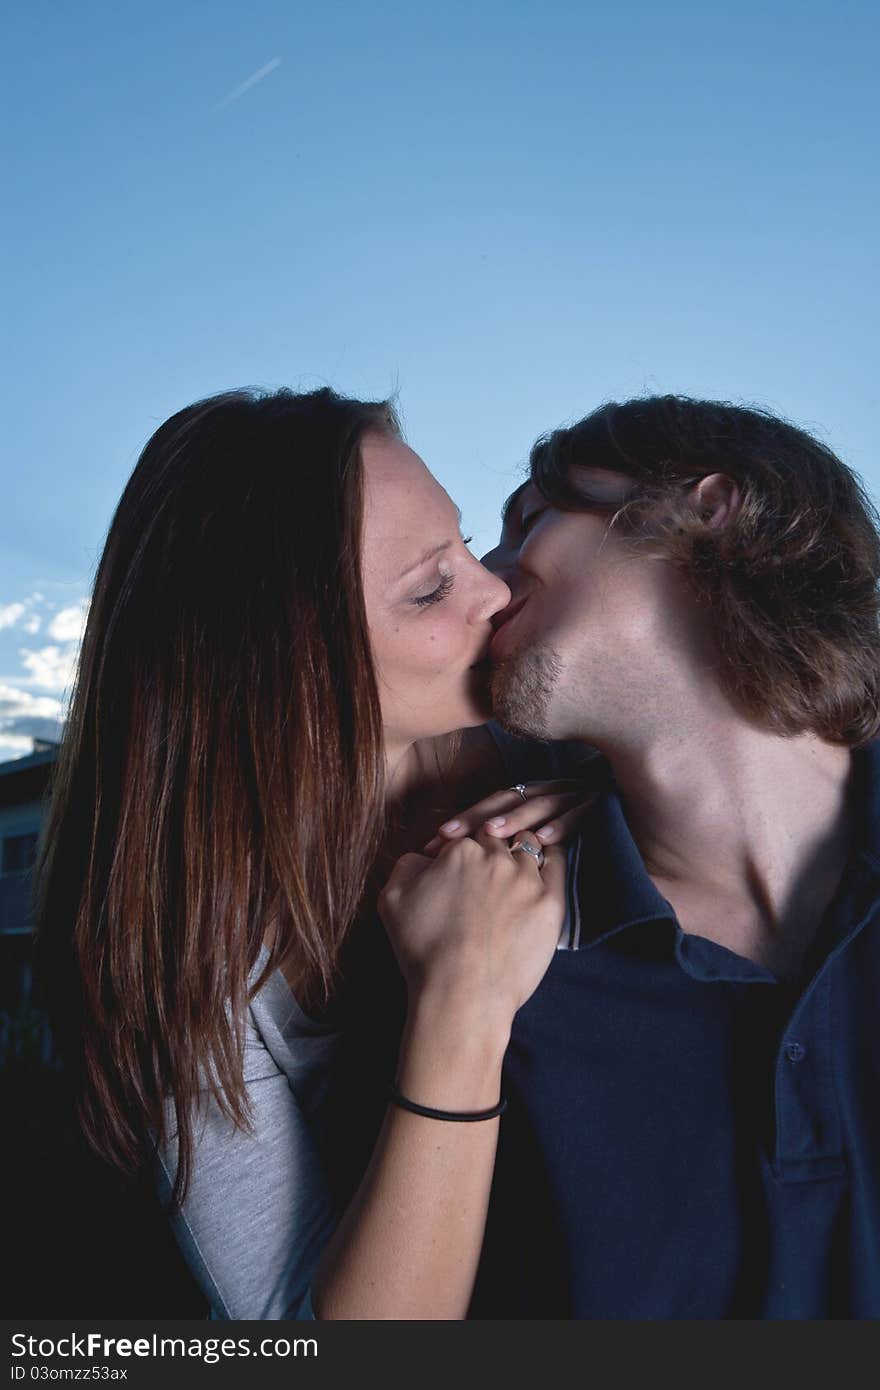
498 594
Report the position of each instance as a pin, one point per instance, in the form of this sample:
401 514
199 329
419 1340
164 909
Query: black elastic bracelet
398 1099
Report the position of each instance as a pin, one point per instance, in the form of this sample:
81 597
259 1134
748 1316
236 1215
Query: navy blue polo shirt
687 1136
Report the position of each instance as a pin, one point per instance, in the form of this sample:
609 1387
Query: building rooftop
45 751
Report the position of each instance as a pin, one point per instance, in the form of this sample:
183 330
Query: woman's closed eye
444 588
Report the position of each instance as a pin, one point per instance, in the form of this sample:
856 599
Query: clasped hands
551 812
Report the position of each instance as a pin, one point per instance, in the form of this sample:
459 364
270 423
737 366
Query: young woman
285 626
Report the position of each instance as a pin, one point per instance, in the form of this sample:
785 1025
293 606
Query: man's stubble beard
523 688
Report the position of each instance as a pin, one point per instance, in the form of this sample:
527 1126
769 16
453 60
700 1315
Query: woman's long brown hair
219 785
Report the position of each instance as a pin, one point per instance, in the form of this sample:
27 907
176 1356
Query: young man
693 1128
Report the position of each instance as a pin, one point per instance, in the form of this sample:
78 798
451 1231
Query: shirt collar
614 889
611 890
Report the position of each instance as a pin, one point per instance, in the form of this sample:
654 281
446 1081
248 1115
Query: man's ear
716 497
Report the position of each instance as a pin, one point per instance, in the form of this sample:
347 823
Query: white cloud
51 668
24 717
10 614
69 624
15 703
34 701
15 746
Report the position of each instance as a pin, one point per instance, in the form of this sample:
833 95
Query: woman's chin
467 709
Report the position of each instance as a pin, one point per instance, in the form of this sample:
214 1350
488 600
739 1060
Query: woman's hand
552 811
475 928
474 931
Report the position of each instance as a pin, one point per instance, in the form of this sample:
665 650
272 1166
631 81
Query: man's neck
745 833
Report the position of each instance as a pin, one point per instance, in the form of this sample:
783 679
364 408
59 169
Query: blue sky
506 213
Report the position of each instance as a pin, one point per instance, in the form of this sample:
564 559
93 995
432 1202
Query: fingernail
450 827
546 832
432 844
497 820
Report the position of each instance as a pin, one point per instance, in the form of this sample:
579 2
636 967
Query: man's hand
551 810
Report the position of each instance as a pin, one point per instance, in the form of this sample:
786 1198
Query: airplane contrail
249 82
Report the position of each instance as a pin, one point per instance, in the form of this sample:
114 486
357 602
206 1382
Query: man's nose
501 561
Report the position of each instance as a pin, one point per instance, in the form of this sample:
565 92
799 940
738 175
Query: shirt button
795 1051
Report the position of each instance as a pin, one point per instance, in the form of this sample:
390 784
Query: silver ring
521 788
533 850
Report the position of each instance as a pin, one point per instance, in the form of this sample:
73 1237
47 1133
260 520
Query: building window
19 852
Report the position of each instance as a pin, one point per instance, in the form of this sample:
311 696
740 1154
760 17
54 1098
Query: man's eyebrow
429 553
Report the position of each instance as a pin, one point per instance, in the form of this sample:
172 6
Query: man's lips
504 617
484 661
504 620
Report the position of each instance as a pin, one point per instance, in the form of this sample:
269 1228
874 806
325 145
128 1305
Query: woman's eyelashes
444 588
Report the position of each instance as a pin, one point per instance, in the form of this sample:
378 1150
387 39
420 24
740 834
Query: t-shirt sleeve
258 1211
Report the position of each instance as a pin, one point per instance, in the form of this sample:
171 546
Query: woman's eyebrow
423 559
430 552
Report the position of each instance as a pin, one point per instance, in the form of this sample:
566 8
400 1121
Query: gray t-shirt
258 1212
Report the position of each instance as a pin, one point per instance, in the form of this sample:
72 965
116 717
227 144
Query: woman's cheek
448 639
418 656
